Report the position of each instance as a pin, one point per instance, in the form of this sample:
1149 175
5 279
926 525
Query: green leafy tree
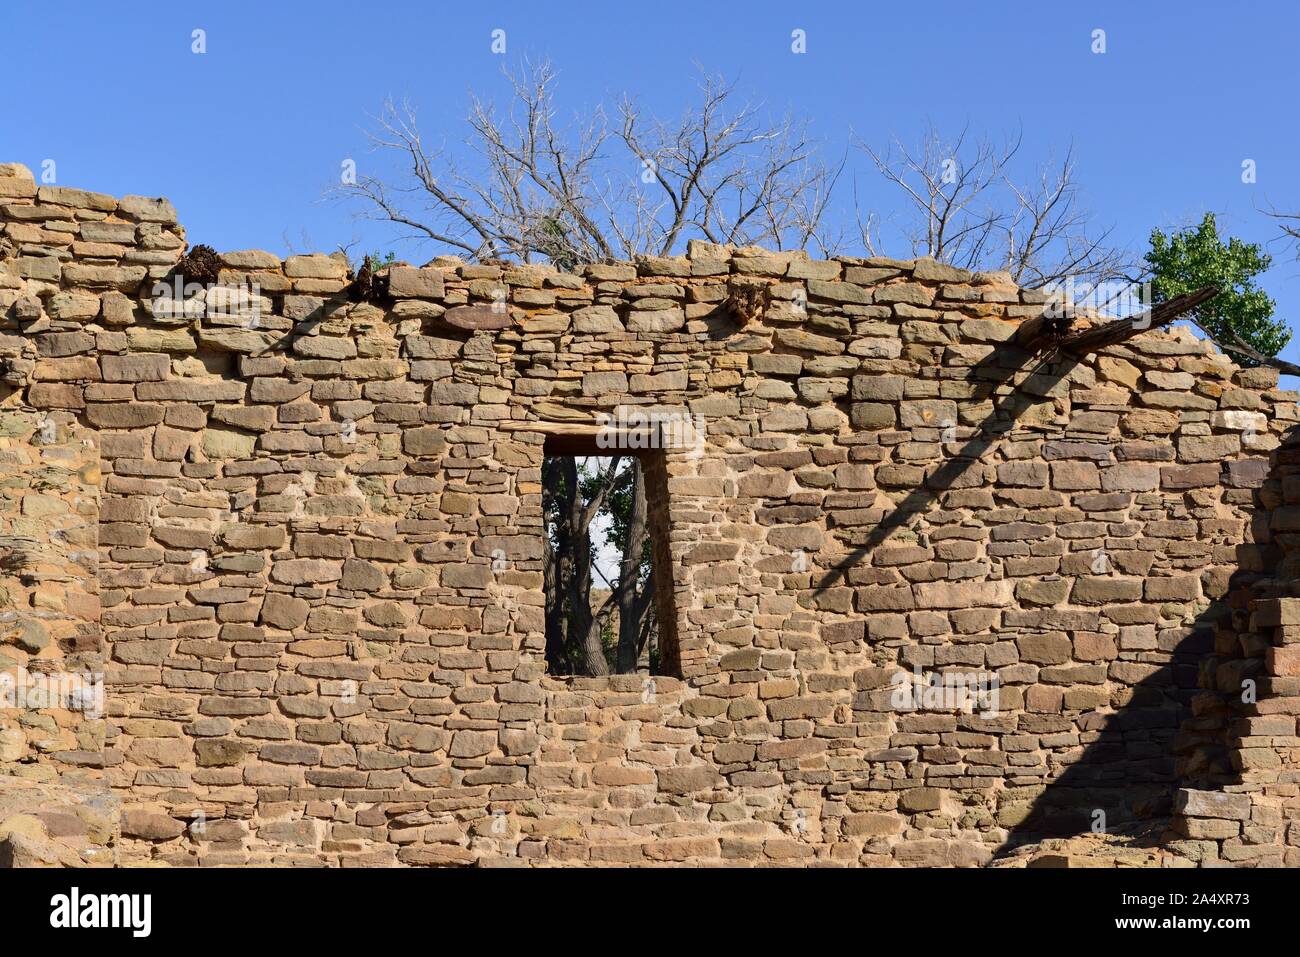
1239 319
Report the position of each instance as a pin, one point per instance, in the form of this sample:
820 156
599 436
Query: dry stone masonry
297 533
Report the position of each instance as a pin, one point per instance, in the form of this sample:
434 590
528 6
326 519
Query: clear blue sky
245 138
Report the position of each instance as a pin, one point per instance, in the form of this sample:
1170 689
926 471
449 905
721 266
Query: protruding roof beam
1052 331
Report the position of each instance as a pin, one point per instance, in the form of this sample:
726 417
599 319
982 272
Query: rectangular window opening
608 567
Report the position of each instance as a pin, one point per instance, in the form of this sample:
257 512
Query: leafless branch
1243 348
1289 223
582 192
962 207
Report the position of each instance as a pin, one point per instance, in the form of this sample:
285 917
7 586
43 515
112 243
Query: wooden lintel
584 429
583 438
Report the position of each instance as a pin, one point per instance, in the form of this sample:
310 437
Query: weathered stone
218 752
477 317
417 283
136 367
132 415
1130 477
284 611
430 440
472 744
655 320
29 634
962 594
1194 803
227 444
315 267
808 342
687 780
1208 448
1099 590
147 209
600 383
301 571
596 320
150 826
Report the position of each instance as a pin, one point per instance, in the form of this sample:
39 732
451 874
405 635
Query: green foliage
376 261
1188 260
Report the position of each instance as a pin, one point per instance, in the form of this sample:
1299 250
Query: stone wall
1253 817
320 544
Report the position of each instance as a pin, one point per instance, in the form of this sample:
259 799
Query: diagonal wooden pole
1054 331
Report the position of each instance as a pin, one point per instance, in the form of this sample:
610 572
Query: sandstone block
150 825
963 594
1212 804
303 571
404 281
687 780
1101 590
227 444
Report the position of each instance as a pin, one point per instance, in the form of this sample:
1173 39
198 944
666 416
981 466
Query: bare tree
1289 223
962 207
725 175
592 191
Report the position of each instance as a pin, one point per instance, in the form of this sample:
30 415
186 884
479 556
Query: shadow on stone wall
1136 758
999 368
1176 729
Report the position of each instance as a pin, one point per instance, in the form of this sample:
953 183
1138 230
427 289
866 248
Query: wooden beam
1043 331
746 302
581 438
1121 330
1050 332
581 429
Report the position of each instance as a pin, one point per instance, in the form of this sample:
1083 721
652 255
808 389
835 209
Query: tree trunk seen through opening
599 611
